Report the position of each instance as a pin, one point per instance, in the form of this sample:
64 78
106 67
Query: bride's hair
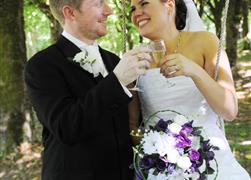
181 14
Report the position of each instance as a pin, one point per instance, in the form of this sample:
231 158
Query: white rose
184 162
172 155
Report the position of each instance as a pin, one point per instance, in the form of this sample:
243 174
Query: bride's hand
176 65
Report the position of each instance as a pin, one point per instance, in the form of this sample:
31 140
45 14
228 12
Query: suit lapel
67 48
106 59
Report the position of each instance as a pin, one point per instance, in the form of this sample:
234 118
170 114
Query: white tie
94 52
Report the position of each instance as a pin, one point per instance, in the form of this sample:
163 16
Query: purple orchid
182 141
187 128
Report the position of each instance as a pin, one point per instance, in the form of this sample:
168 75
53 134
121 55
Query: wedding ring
172 69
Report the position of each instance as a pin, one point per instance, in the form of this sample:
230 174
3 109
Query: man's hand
133 64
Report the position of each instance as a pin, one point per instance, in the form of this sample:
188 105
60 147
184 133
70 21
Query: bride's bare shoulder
202 35
205 39
205 36
202 38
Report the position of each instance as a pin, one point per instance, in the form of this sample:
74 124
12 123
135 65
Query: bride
189 65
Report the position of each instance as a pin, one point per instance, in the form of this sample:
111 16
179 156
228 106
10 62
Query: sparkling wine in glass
157 57
158 52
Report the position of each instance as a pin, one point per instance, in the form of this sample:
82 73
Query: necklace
178 44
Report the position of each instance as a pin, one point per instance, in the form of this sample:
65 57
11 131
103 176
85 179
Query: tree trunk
55 27
12 59
216 9
200 4
246 41
233 23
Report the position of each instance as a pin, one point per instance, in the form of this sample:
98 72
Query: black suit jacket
85 119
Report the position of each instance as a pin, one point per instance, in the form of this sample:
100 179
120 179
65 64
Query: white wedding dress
184 97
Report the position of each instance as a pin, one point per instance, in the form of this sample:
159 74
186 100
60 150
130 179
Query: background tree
216 8
114 39
43 6
200 6
245 29
232 30
13 57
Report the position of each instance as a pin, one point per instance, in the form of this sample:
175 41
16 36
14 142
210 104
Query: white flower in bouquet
174 149
167 142
184 162
159 176
151 142
172 155
176 175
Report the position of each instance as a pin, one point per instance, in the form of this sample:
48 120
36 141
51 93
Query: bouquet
173 149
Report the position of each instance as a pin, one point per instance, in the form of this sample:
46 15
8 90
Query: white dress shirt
81 45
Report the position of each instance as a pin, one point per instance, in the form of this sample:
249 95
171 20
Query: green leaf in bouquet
210 170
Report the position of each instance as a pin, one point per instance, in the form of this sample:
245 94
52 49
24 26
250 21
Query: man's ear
68 12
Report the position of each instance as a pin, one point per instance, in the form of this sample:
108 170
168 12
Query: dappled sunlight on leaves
245 143
2 174
27 155
23 163
248 156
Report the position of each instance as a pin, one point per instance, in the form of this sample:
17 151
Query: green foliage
37 28
113 41
238 133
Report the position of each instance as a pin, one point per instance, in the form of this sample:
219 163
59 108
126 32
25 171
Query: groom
82 100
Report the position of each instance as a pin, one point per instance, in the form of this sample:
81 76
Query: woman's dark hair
181 14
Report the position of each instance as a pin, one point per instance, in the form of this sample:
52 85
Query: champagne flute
158 52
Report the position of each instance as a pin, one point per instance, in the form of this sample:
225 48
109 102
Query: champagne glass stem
136 88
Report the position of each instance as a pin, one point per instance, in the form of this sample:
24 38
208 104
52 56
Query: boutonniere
88 62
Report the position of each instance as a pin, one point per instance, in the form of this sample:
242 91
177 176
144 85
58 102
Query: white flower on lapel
88 62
